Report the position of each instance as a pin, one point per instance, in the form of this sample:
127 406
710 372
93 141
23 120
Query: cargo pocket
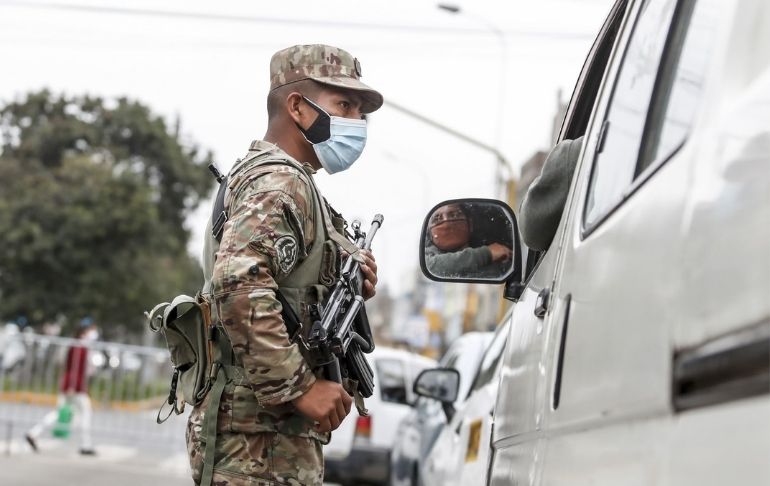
234 478
243 414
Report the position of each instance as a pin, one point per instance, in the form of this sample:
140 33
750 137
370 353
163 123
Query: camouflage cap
325 64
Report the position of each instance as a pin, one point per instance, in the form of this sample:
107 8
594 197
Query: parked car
359 451
639 347
460 453
418 430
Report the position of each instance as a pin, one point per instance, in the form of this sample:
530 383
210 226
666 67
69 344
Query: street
59 463
131 450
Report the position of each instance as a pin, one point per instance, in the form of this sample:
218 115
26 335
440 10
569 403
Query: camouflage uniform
279 235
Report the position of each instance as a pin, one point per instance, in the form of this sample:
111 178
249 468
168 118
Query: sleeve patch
286 249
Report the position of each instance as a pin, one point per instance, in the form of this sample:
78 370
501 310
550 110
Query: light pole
456 9
503 168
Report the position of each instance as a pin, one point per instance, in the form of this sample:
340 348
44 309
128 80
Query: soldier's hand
369 269
500 253
327 403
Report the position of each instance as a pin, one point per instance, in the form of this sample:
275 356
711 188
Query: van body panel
677 267
726 258
624 452
722 445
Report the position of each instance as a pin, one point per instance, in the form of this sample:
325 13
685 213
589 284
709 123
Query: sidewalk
59 463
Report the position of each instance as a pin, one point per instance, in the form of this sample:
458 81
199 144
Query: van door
618 285
516 444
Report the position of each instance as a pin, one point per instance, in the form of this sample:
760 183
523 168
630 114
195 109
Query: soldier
274 414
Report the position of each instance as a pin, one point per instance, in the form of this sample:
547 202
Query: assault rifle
341 334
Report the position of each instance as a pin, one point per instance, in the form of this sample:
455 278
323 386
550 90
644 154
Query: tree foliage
93 197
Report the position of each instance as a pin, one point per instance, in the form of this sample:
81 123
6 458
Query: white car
418 431
359 451
639 347
460 454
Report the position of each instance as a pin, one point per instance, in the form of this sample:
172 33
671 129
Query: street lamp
456 9
503 168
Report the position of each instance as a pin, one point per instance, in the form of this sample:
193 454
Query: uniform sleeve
266 236
544 202
457 262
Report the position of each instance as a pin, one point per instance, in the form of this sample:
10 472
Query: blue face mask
337 141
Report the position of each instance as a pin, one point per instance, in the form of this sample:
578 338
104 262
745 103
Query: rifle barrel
376 223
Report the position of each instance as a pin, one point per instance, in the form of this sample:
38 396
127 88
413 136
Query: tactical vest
307 284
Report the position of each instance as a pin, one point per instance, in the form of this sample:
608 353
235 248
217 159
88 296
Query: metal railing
126 384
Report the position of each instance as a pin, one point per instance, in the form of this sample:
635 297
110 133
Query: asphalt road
131 450
59 463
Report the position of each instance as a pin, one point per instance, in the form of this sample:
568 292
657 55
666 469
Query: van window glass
587 87
392 380
491 359
618 150
681 79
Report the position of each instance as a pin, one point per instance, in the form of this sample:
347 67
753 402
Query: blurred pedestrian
73 391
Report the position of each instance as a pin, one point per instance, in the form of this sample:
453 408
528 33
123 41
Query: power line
154 44
177 15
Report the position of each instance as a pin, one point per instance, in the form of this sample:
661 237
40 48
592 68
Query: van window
621 133
392 380
655 98
492 357
587 87
680 81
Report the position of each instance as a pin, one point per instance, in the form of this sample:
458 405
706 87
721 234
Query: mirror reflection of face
449 228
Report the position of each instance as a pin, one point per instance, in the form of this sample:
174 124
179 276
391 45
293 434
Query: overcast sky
208 62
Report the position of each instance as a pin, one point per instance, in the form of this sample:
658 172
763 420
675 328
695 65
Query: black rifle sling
290 319
218 214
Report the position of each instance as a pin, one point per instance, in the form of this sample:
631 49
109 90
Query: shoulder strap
218 214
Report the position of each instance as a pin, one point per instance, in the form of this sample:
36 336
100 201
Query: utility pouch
184 323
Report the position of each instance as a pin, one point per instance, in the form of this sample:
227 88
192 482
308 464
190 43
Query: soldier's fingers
369 275
370 261
347 401
369 290
334 420
342 411
324 425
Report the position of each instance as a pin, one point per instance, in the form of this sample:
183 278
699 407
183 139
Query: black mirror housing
472 240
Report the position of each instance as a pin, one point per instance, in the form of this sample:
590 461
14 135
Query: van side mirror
474 241
442 384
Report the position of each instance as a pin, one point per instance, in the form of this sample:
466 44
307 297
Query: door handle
560 360
727 368
541 304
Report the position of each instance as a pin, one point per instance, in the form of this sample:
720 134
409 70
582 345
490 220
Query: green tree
93 196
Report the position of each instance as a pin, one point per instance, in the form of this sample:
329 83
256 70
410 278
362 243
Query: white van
639 351
359 451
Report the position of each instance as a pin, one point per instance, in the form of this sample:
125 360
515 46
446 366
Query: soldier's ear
296 108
